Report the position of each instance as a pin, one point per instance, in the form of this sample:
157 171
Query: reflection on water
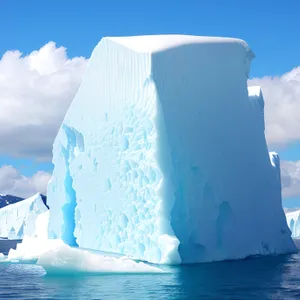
263 278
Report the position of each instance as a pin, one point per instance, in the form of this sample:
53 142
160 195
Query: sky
45 46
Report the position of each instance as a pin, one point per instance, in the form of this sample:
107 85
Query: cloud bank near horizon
14 183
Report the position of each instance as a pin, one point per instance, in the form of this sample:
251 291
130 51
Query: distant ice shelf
6 199
162 155
19 219
293 221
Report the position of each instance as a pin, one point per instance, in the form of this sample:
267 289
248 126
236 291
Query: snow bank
162 155
19 219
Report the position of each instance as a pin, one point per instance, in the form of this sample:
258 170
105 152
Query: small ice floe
58 258
31 248
65 259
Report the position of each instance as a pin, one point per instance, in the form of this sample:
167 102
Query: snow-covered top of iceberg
6 199
29 200
158 43
254 91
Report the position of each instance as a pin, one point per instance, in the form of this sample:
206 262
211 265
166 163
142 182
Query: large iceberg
162 155
19 219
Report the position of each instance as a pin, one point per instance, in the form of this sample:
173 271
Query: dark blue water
260 278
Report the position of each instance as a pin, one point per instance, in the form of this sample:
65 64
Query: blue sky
271 28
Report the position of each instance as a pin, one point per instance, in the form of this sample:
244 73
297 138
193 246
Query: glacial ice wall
162 155
19 219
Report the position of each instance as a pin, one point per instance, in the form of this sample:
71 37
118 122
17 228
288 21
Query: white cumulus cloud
282 107
14 183
35 92
290 179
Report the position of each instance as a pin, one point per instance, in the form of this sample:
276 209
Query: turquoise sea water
257 278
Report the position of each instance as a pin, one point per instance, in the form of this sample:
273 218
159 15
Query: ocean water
256 278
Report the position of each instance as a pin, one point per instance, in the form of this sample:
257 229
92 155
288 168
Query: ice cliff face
162 155
19 219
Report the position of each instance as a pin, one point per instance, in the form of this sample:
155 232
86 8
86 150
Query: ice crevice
75 144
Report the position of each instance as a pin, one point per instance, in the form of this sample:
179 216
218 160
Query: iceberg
19 219
162 155
6 199
31 248
293 221
41 225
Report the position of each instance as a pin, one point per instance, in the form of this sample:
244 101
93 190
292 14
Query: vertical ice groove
69 207
75 143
